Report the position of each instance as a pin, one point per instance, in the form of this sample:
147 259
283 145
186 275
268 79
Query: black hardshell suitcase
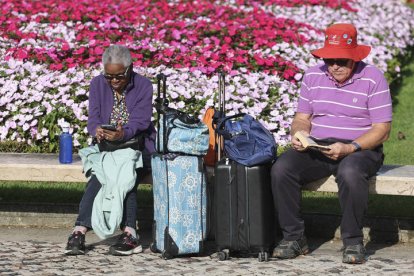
244 215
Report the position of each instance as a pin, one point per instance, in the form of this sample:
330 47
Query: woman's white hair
117 54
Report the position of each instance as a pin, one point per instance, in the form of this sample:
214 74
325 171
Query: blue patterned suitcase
180 204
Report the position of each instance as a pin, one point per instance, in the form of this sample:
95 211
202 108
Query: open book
308 142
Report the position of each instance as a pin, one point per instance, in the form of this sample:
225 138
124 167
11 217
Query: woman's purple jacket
138 98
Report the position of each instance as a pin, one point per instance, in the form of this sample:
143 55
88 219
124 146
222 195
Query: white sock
131 230
81 229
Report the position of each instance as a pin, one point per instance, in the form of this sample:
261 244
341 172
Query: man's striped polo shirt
348 110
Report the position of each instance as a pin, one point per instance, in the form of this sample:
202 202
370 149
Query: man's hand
301 123
338 150
296 144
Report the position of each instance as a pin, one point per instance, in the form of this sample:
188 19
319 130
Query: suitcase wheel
223 255
153 248
165 255
263 257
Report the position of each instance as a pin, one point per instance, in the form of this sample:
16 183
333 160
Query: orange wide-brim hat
341 42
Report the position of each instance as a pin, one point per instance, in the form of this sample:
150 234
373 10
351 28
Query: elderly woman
121 98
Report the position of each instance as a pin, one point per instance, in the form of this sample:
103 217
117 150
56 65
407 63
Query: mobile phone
109 127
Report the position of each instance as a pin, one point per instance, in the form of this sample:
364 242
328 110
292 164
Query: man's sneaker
126 245
291 249
76 244
354 254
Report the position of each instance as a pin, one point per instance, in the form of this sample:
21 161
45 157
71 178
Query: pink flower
99 51
65 47
176 34
79 51
168 52
21 54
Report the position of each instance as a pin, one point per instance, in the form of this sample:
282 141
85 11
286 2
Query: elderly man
346 104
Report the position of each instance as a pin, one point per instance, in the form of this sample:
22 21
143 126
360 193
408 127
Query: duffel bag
185 134
246 140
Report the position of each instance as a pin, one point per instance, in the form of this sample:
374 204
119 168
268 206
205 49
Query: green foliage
50 192
398 150
71 193
393 75
14 146
378 205
18 191
281 150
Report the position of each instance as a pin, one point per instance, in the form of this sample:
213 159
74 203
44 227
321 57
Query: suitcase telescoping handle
161 105
222 109
161 102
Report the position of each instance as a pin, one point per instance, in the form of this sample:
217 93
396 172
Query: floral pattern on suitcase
185 200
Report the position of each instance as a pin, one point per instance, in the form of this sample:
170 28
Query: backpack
247 141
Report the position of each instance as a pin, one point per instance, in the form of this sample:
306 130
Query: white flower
25 127
187 220
190 181
193 200
44 132
175 215
190 240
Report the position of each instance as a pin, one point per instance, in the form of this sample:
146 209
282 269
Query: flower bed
50 50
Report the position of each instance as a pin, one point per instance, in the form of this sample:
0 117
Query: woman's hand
104 134
100 134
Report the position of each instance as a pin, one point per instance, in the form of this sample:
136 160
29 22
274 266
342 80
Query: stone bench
39 167
42 167
390 180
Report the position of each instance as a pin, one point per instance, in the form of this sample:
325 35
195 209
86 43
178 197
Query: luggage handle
161 105
221 114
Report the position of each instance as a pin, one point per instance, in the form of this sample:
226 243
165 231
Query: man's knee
280 171
351 176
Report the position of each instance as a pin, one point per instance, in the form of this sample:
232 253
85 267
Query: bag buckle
237 133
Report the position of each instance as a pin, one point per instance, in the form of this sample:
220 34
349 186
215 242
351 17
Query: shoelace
128 239
295 245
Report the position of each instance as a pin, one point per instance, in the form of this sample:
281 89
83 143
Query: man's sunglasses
338 61
118 77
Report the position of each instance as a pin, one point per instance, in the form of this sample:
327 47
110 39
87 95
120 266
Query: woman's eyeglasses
118 77
338 61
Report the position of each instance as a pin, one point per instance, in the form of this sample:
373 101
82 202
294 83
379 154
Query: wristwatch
357 146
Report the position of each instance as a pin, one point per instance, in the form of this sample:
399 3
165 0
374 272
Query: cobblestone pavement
28 251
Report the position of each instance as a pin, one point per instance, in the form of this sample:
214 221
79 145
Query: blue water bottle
65 145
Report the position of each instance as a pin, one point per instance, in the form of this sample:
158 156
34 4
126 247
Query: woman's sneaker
126 245
76 244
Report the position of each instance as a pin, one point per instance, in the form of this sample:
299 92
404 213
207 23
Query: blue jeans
129 217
